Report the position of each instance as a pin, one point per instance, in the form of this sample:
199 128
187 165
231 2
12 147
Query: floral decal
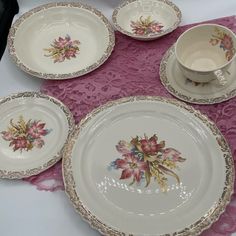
63 48
225 42
144 158
146 26
196 84
25 136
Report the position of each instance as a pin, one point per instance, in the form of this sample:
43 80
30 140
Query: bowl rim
59 76
198 27
152 36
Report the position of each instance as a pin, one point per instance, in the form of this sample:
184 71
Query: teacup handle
220 77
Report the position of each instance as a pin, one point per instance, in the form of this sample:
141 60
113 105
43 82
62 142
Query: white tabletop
25 211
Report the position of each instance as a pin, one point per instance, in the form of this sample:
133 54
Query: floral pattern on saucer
24 135
144 158
225 42
190 82
146 26
63 48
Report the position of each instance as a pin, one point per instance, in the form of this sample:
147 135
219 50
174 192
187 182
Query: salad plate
148 166
61 40
34 128
146 20
193 92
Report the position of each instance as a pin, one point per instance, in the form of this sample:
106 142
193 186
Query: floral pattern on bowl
144 158
146 26
63 48
24 135
225 42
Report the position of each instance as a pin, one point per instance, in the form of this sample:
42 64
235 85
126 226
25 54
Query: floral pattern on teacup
225 42
63 48
24 135
146 26
144 158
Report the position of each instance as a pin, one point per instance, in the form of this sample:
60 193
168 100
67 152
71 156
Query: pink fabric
133 69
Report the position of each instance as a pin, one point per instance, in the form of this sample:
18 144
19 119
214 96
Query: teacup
205 52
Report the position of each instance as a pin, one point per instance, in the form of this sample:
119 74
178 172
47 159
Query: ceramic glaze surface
41 29
146 19
95 146
199 56
87 34
200 93
34 129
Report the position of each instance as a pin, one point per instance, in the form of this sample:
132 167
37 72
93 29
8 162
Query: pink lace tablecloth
133 69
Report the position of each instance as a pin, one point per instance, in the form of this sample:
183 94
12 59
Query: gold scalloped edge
194 229
153 36
164 80
21 19
6 174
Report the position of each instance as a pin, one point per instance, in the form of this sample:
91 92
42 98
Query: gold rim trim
153 36
22 66
168 85
194 229
34 171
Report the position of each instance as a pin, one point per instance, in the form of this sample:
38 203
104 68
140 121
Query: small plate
33 130
148 166
146 20
61 40
199 93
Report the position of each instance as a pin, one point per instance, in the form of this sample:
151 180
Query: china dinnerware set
134 164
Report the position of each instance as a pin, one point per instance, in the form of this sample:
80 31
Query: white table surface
25 211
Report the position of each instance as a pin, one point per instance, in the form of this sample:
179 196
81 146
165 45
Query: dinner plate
199 93
148 166
33 130
146 20
61 40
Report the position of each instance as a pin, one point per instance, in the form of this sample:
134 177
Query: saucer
33 130
198 93
146 20
61 40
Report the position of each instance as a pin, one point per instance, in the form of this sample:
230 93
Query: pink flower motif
70 53
63 48
7 135
124 147
156 27
61 43
227 42
131 167
19 143
140 31
36 130
38 143
60 58
150 146
173 155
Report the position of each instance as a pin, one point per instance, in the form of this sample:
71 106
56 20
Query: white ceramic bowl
61 40
146 20
205 52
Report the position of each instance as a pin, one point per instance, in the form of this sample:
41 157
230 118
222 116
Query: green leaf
147 177
169 172
132 182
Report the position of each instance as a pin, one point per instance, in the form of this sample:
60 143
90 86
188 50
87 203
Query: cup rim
198 26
